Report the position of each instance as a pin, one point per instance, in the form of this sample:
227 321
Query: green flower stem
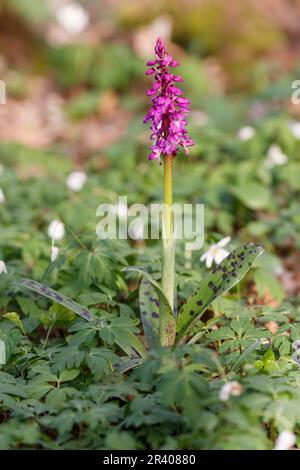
168 195
168 257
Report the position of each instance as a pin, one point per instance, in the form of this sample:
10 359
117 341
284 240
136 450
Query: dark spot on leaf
85 313
58 297
154 315
45 290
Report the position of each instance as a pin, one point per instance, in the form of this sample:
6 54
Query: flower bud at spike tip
168 110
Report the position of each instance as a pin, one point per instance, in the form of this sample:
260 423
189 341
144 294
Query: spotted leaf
55 297
149 310
167 324
222 278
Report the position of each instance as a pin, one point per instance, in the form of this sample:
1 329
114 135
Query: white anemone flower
229 389
56 230
285 440
73 18
3 269
216 253
137 230
54 253
295 129
275 157
2 197
246 133
76 180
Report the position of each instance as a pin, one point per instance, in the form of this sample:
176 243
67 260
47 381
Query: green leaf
253 195
221 334
246 354
222 278
167 320
149 311
57 315
69 357
282 344
121 332
100 361
56 297
116 440
268 362
14 318
67 375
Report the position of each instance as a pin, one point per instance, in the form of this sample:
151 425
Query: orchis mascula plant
162 327
167 116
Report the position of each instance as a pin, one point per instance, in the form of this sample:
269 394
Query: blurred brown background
74 70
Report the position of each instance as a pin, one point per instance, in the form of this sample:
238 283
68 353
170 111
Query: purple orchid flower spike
168 109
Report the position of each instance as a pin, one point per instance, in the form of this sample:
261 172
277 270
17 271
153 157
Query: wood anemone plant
162 327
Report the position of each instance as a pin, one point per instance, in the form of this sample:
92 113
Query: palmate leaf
149 310
166 318
55 297
222 278
123 333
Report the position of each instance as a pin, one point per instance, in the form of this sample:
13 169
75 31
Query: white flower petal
273 151
282 159
2 197
233 388
3 269
246 133
209 259
224 392
54 253
220 255
136 230
224 241
56 230
73 18
295 129
285 440
76 180
275 156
